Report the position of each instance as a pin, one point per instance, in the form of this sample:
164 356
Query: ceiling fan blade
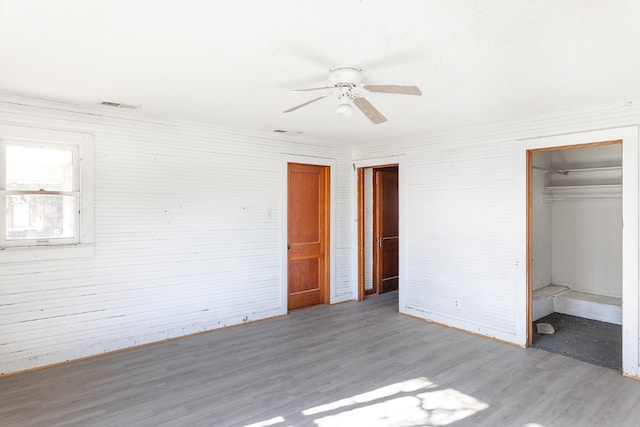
401 90
305 104
313 88
369 110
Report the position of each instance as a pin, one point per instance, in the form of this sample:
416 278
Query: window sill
44 253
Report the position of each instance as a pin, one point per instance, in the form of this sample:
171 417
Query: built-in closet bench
561 299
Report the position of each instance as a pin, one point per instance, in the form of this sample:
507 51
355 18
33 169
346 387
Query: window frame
5 192
81 145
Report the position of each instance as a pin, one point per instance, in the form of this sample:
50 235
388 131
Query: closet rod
603 168
546 170
566 171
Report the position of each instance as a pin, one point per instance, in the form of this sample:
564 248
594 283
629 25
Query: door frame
284 264
375 273
630 233
357 266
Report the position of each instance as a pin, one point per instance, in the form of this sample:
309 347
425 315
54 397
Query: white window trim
84 245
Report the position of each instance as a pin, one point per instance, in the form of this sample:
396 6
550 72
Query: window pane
32 168
40 217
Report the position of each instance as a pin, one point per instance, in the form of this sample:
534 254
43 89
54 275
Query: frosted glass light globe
344 110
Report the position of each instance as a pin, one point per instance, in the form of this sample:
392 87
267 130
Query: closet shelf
573 192
553 188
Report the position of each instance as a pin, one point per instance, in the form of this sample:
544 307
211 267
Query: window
41 194
46 193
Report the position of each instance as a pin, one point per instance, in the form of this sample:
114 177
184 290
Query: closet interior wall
577 219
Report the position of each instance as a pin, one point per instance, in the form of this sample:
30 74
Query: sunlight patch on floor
380 393
409 403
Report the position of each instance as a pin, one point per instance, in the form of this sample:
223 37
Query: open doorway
575 251
378 231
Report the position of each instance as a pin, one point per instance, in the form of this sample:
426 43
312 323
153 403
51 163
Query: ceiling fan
346 85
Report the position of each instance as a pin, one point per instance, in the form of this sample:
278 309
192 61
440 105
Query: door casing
284 264
308 241
630 234
385 229
358 240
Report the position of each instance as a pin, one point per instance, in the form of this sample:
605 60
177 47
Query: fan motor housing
345 75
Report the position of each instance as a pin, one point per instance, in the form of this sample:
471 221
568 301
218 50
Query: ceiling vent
292 132
118 105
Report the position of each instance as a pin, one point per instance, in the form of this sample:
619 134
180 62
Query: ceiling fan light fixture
346 85
344 110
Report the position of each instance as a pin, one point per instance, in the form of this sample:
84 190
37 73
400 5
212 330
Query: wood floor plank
324 366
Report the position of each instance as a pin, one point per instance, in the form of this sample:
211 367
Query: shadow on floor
591 341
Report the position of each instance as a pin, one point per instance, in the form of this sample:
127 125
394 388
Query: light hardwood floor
343 365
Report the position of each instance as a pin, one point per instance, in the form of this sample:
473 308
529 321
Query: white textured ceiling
232 63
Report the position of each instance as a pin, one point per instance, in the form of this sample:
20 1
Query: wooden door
308 235
385 217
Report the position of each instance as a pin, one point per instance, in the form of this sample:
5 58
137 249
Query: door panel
386 254
307 235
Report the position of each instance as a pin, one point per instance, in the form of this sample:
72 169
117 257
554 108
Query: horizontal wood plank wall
460 215
187 237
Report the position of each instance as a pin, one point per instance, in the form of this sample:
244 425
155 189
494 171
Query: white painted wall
459 229
187 237
587 245
541 222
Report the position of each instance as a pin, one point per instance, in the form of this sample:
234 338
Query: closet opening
378 230
574 227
